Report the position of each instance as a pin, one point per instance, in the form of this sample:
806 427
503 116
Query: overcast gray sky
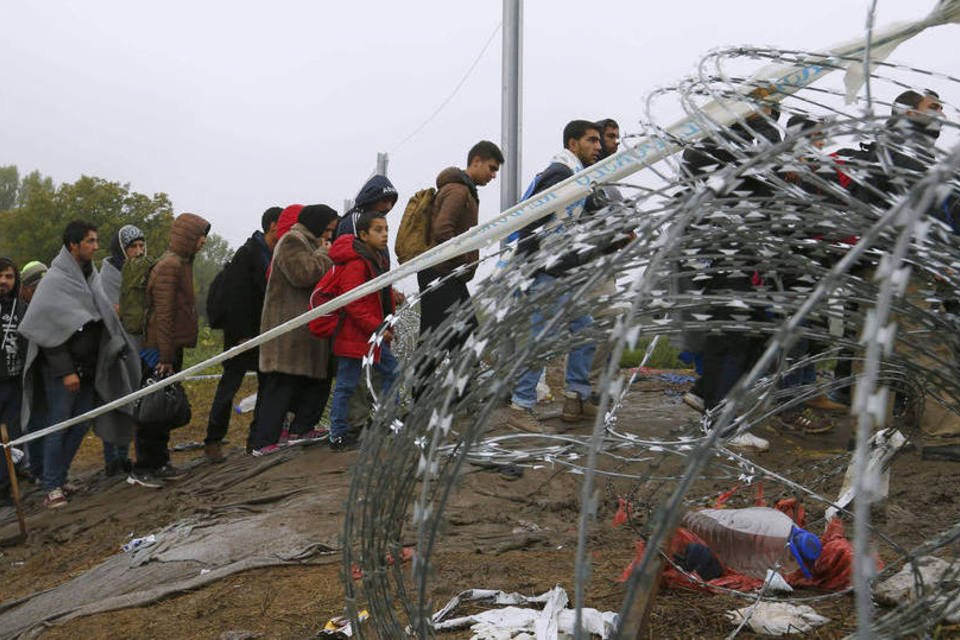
230 107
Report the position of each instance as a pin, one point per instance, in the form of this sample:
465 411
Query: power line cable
453 93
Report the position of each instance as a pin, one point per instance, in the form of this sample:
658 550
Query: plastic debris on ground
673 377
747 440
936 574
137 543
555 621
247 404
884 445
778 618
341 626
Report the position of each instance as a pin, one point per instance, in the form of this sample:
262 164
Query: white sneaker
748 441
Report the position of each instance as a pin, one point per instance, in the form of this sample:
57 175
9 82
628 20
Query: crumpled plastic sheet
778 618
554 622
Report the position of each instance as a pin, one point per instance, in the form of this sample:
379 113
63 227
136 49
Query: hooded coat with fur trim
299 261
171 302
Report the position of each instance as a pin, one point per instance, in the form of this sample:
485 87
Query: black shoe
948 452
112 468
168 472
139 478
343 443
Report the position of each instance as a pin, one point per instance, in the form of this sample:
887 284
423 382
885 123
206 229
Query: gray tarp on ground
253 529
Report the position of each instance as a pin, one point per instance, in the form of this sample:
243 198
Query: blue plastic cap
805 548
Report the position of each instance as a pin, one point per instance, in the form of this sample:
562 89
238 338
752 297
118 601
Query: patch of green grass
665 355
209 344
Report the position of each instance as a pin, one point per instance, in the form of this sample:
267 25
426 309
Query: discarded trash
748 441
247 404
904 587
884 445
774 583
341 626
544 394
136 543
555 620
16 455
754 539
778 618
204 572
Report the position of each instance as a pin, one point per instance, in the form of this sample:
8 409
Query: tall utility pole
510 106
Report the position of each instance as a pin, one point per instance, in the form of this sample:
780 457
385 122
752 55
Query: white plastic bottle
752 540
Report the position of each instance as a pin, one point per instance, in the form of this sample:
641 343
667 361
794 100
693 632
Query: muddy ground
510 534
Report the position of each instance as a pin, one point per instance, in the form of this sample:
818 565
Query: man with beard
12 351
83 354
581 148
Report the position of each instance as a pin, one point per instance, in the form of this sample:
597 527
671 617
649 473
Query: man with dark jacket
12 352
82 353
581 142
171 327
456 209
245 285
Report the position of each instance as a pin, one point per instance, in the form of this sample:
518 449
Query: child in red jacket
361 258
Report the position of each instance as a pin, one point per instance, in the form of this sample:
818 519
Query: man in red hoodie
361 258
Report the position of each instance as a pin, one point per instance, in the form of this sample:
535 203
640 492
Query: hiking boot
145 479
265 451
824 403
524 419
213 452
575 408
168 472
343 443
55 499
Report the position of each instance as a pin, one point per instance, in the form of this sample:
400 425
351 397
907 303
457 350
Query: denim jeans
578 360
348 377
113 452
59 448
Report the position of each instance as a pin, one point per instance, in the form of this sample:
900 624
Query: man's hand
163 369
71 382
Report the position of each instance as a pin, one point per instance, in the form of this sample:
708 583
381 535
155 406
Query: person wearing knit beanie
30 277
317 217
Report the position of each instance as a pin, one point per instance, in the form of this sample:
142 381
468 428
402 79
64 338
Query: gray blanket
66 300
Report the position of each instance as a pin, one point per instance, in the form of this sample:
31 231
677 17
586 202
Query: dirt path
515 535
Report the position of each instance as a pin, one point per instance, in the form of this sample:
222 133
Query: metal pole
511 99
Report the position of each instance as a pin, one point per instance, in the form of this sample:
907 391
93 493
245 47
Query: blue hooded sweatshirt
374 189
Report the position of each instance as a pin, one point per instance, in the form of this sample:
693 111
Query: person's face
483 171
329 231
84 251
135 249
383 205
587 148
930 105
376 237
202 240
611 140
8 278
27 292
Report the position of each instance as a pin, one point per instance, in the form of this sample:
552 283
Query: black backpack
217 299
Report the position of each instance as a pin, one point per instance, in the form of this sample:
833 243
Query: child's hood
342 251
